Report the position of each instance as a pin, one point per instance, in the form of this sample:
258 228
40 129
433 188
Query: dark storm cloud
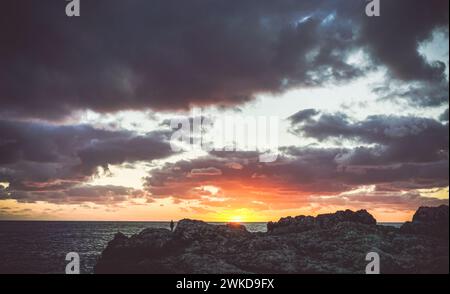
393 38
174 54
419 94
40 157
397 138
44 143
107 194
125 148
321 170
407 175
303 115
444 116
404 151
159 54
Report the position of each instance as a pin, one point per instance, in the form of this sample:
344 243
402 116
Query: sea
40 247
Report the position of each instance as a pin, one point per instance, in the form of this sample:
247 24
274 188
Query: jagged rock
330 243
123 254
432 214
433 221
304 223
361 216
193 230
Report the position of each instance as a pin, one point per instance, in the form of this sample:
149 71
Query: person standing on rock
171 225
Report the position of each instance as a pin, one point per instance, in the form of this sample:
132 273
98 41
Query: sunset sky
86 104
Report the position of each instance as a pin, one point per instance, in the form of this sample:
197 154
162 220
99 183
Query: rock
329 243
431 221
361 216
123 254
193 230
304 223
432 214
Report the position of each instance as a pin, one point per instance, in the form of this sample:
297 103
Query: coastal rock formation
329 243
303 223
432 221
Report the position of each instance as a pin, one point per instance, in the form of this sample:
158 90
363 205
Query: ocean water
395 225
39 247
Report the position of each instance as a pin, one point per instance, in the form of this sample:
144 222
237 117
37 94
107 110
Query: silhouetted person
269 227
171 225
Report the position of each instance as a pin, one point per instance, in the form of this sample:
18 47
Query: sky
87 106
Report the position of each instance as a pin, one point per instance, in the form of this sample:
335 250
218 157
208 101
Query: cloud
170 55
393 39
125 147
209 171
77 194
165 55
397 139
444 116
394 154
36 157
396 201
300 177
418 94
303 115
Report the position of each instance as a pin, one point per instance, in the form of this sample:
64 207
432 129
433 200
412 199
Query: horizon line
152 221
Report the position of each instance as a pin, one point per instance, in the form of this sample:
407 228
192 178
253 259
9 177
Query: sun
239 215
236 219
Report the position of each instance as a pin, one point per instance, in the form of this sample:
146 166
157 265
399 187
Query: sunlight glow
236 219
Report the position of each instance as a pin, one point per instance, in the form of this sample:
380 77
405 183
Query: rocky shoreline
328 243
